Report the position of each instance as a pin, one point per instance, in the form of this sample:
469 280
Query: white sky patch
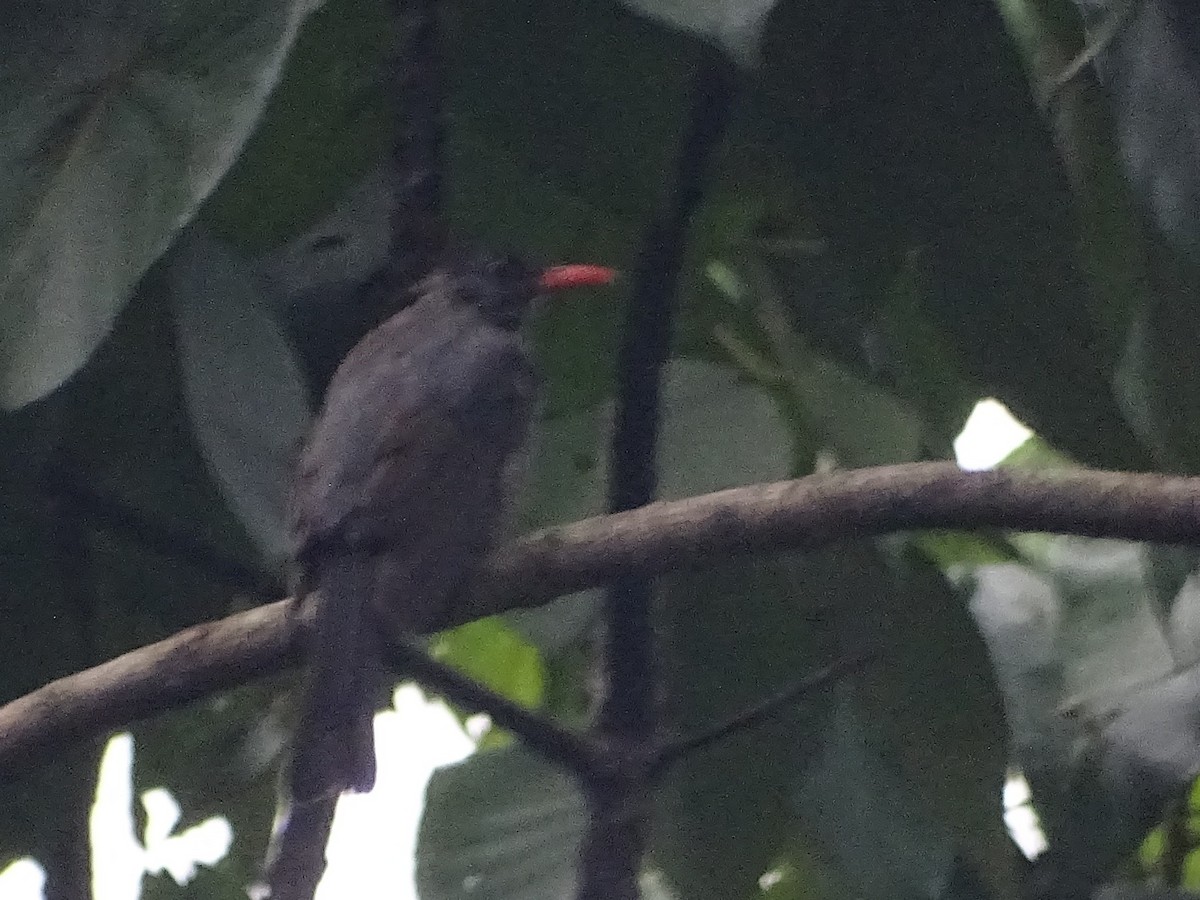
118 861
371 850
22 879
769 879
179 854
477 726
990 434
1021 819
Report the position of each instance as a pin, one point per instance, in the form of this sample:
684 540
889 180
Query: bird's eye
506 268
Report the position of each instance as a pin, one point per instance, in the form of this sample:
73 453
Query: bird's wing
412 466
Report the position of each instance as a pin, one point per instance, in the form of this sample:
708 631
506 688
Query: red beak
560 278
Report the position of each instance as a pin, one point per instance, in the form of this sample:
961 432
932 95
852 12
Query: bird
401 487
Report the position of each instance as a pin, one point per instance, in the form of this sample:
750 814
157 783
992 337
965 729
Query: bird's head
503 287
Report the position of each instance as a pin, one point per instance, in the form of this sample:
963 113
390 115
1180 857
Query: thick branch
654 539
194 663
823 509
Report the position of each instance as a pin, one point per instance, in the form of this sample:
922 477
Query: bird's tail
334 741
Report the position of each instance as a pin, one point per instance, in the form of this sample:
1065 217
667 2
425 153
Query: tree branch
807 512
824 509
189 665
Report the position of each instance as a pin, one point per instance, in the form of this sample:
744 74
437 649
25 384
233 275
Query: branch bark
189 665
654 539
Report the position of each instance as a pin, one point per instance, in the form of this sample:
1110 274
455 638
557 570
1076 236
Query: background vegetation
910 210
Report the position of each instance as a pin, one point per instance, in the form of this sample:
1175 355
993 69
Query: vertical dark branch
67 859
627 716
627 654
418 233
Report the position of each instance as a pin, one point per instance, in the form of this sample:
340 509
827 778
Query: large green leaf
735 25
1149 69
1157 380
1086 659
937 713
503 825
730 637
1144 291
112 140
246 397
321 131
943 151
838 417
866 820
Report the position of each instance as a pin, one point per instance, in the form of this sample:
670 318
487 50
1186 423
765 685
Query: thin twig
105 513
674 751
808 512
574 752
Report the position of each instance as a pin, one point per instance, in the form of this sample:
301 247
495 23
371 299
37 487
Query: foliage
895 229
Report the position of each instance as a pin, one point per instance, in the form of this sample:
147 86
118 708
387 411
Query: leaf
1112 639
245 395
325 126
733 24
1149 753
728 638
1144 126
868 821
541 96
1183 621
836 413
1149 70
1097 716
943 153
112 142
937 713
1020 617
491 653
501 826
745 442
1156 382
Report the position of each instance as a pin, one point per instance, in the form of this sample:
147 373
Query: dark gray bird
401 487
